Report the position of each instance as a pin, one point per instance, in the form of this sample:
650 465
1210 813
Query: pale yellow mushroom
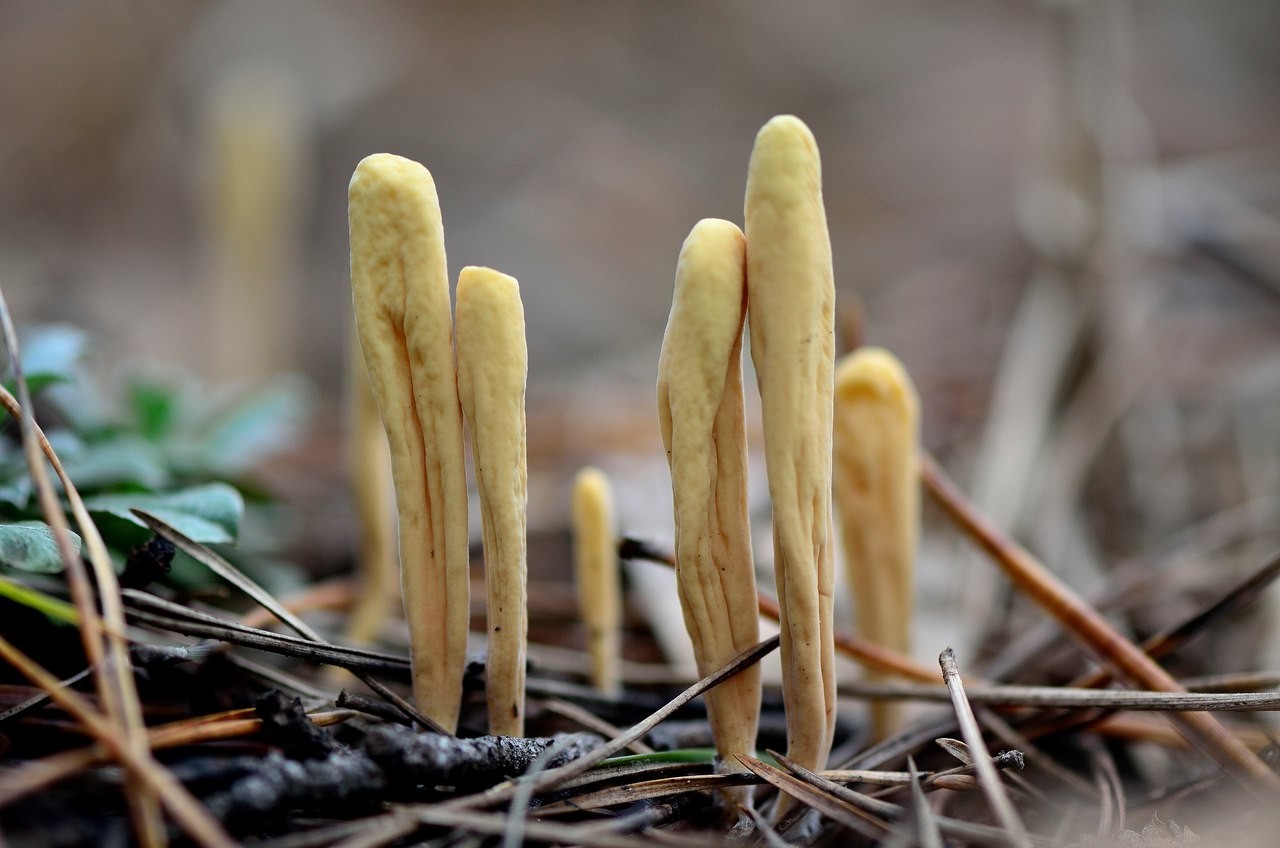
257 191
791 298
877 497
700 410
370 469
400 287
492 369
596 570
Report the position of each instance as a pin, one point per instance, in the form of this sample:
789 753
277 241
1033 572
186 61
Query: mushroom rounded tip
714 241
378 170
715 227
871 371
590 485
477 279
788 130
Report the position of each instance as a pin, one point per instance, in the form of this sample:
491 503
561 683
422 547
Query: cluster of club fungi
850 428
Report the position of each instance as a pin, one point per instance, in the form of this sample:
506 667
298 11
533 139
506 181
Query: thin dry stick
590 721
1071 697
836 809
110 658
1125 659
189 813
926 823
244 583
39 774
987 776
983 834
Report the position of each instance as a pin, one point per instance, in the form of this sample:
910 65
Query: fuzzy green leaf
210 513
29 546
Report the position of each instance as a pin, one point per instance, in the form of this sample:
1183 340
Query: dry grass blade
552 778
838 811
246 584
1167 641
590 721
517 816
979 833
185 809
166 615
383 831
1070 697
494 824
644 790
1089 628
43 698
926 823
113 671
981 757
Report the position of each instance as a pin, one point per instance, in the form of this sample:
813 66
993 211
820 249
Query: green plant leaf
29 546
118 461
156 408
236 436
50 354
210 513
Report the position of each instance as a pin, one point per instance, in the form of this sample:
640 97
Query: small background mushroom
876 482
595 554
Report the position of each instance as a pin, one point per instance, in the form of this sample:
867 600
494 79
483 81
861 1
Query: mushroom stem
400 287
700 410
492 370
370 468
791 299
596 569
877 497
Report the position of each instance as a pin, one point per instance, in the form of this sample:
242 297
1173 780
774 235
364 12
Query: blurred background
1061 215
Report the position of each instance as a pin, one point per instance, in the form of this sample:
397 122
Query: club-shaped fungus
700 411
492 369
370 468
791 311
877 498
400 287
595 549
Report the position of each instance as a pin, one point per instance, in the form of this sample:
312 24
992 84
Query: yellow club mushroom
700 410
791 310
596 570
370 468
492 369
877 497
400 287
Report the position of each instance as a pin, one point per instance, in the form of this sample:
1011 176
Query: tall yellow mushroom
492 369
877 497
595 548
700 410
400 287
791 309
